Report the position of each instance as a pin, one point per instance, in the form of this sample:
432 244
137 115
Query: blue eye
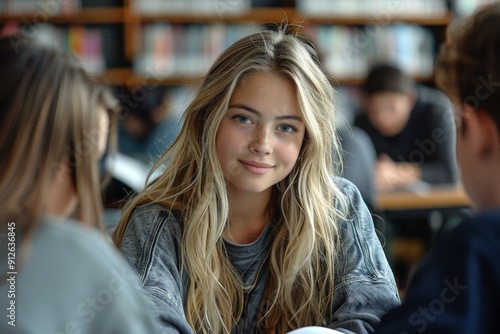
287 128
242 119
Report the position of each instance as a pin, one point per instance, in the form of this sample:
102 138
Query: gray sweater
364 284
72 281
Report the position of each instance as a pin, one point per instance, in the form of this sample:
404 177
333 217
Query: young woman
59 275
247 229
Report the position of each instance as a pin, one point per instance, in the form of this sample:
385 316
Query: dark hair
387 78
468 64
142 108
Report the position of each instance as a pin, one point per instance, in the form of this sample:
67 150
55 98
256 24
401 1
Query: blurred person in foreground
60 273
455 288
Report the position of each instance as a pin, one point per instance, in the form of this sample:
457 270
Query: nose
261 142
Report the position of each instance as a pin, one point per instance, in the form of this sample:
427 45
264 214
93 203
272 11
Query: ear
481 133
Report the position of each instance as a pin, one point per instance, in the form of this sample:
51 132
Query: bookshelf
122 48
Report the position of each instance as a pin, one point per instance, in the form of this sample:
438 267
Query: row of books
42 7
348 52
219 8
175 50
467 7
312 8
386 9
373 8
85 43
172 50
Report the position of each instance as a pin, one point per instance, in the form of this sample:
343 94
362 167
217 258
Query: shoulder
153 232
477 235
356 228
69 266
149 222
349 189
351 203
87 245
362 267
459 274
85 254
470 251
150 219
432 103
432 95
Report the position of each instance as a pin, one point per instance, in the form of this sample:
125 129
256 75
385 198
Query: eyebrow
258 113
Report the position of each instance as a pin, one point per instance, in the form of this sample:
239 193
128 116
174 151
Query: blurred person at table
148 125
412 130
456 287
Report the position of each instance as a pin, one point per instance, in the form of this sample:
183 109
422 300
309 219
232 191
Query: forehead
267 91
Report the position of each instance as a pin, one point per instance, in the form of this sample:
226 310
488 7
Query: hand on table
389 174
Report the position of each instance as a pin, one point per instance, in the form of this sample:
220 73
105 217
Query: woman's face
389 112
259 139
103 130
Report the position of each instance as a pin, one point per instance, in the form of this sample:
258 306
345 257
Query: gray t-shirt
250 261
71 281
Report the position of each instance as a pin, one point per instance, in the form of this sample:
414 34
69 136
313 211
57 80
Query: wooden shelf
287 14
126 77
114 76
137 80
83 16
256 15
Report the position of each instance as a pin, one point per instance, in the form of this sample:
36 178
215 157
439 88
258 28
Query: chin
252 188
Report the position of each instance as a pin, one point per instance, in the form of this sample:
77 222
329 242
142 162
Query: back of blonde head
49 123
300 283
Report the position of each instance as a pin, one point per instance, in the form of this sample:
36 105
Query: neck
249 215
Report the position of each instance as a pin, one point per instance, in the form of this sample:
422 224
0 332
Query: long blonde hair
299 291
49 121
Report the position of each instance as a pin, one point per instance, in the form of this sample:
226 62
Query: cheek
103 132
289 153
227 145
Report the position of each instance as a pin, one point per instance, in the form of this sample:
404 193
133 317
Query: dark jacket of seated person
412 130
455 288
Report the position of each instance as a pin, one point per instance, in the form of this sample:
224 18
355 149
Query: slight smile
256 167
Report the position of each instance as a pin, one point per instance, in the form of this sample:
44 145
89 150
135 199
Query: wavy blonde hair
300 284
49 121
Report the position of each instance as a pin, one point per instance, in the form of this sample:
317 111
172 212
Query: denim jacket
364 283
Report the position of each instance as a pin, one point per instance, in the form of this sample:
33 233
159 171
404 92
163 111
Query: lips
256 167
256 164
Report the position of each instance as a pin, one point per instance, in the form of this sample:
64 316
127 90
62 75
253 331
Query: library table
425 198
